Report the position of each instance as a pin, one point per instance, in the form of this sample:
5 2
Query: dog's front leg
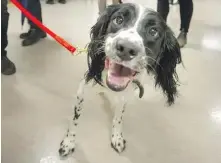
67 145
118 142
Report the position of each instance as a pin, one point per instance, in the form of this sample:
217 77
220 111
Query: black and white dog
128 40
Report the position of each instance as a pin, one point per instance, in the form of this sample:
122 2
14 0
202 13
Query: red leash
44 28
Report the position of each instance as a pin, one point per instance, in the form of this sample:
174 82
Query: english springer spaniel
128 40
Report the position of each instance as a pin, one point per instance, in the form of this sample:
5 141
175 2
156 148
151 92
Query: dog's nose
126 50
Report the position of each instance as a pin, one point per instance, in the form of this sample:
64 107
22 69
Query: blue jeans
34 7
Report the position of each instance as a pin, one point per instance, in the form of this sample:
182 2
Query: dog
127 40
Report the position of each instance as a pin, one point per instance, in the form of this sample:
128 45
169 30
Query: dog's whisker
149 49
96 53
99 50
151 67
155 61
151 52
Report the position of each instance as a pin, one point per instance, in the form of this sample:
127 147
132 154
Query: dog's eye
118 20
153 32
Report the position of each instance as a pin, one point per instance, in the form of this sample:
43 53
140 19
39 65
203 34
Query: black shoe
50 2
33 37
62 1
8 67
27 34
182 39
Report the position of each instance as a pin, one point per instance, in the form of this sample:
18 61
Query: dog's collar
140 86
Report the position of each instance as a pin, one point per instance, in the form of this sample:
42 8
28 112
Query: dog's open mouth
118 76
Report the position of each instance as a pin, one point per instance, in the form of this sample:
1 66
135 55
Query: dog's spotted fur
147 46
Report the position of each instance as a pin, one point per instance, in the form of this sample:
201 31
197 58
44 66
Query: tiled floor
36 102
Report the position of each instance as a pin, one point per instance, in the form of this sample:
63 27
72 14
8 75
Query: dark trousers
186 11
4 26
34 7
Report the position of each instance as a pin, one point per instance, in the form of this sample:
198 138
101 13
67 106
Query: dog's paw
118 143
67 146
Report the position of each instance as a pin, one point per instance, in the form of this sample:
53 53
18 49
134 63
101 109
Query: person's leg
172 2
7 67
4 27
62 1
115 2
35 33
186 12
163 8
102 5
50 2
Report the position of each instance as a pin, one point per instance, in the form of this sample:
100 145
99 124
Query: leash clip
82 50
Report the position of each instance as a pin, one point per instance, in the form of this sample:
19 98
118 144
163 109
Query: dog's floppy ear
96 54
100 28
166 76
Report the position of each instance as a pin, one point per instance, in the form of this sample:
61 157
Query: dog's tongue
126 72
118 75
117 69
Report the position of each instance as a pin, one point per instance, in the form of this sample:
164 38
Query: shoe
171 2
27 34
51 2
62 1
176 2
33 37
182 39
8 67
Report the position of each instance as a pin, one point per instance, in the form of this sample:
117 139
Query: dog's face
129 39
133 41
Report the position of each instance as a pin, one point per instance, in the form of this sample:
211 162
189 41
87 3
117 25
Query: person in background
34 34
186 11
173 3
103 3
53 2
7 67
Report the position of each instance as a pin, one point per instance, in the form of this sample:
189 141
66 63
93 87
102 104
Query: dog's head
129 39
